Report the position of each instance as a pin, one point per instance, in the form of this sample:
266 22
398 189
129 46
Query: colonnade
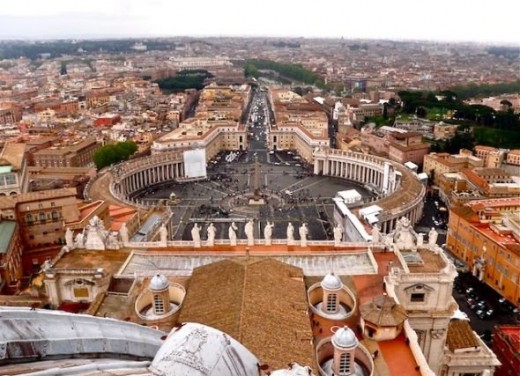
352 170
384 175
141 178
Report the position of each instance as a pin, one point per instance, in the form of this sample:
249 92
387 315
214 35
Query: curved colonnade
401 193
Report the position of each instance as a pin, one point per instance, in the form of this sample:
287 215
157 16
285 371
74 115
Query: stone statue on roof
432 236
211 232
249 230
404 235
290 234
69 238
303 234
232 233
268 232
195 235
163 234
123 232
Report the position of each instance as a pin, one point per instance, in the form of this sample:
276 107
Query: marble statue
211 232
96 234
46 266
303 234
195 235
268 233
338 234
376 234
69 238
290 234
420 239
79 240
113 241
249 230
405 235
123 232
163 234
432 236
232 233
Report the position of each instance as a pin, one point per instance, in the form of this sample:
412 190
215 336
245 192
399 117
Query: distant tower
345 344
331 285
159 287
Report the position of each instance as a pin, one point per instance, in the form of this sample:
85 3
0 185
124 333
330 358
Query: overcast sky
444 20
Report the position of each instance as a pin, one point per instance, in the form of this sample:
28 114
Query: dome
331 282
199 350
158 283
344 338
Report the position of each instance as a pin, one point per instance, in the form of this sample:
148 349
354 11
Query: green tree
114 153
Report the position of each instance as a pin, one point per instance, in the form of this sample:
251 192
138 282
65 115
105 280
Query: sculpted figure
163 234
123 232
249 230
211 234
195 234
232 233
303 234
69 238
268 233
290 234
432 236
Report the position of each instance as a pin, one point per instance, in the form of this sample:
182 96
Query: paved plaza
292 194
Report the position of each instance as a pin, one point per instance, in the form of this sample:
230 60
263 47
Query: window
416 297
158 305
331 303
43 217
344 364
81 292
29 218
55 215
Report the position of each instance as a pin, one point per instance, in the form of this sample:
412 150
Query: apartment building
407 147
437 164
42 217
492 157
10 113
486 235
513 157
75 153
13 169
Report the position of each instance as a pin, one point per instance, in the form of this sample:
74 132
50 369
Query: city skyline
448 21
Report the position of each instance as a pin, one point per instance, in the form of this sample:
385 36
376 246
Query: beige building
407 147
299 125
491 156
513 157
212 135
437 164
13 170
77 153
42 217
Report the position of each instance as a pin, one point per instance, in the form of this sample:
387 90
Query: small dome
331 282
344 338
159 282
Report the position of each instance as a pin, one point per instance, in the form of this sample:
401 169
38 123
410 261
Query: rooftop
461 336
243 298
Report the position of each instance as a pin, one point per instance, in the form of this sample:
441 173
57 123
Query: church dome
199 350
344 338
331 282
159 282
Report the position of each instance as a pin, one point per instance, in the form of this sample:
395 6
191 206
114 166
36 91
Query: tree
114 153
421 112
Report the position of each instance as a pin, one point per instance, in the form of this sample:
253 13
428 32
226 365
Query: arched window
344 364
331 302
158 304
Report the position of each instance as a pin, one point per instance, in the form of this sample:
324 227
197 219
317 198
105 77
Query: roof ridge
242 303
